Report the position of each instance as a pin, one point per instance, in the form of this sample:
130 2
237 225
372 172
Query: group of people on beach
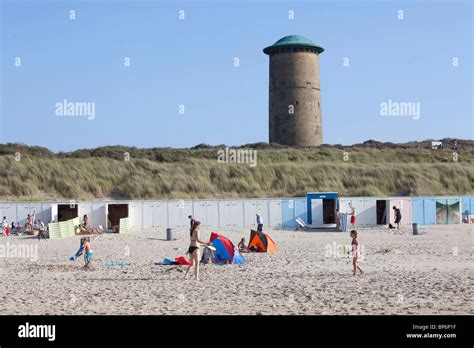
195 241
32 226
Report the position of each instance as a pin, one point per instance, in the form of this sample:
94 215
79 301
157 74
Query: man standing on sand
398 216
259 222
42 230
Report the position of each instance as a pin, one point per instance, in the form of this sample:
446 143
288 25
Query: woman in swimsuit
355 252
193 250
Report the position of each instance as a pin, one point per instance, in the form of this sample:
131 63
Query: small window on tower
296 102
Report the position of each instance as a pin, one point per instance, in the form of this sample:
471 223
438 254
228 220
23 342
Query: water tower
294 90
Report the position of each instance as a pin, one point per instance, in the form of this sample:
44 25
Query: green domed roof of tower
293 41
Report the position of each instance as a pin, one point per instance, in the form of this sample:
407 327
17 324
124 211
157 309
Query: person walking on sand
355 252
42 230
398 216
88 254
353 215
193 250
259 222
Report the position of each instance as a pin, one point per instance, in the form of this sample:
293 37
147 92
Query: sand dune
427 274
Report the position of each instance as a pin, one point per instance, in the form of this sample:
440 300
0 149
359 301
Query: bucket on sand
169 234
415 229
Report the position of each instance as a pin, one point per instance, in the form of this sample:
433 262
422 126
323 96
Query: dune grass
195 173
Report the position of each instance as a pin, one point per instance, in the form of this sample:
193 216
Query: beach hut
135 218
370 211
207 212
251 208
231 214
321 209
274 212
448 210
292 208
424 210
467 209
178 212
155 214
345 204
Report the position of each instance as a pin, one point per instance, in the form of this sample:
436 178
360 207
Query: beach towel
182 261
79 252
6 231
115 264
166 262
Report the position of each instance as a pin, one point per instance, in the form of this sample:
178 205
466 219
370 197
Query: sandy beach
431 273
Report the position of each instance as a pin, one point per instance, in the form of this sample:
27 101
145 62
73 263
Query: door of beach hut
316 212
115 212
212 214
429 210
99 215
274 211
301 209
148 213
135 214
174 216
237 214
424 210
441 211
225 211
418 210
161 215
250 208
382 207
199 208
467 209
370 211
288 213
454 210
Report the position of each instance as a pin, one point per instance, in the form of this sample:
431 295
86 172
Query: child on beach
87 251
242 247
355 252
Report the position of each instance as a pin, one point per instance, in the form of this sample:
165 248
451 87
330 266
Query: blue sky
190 62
